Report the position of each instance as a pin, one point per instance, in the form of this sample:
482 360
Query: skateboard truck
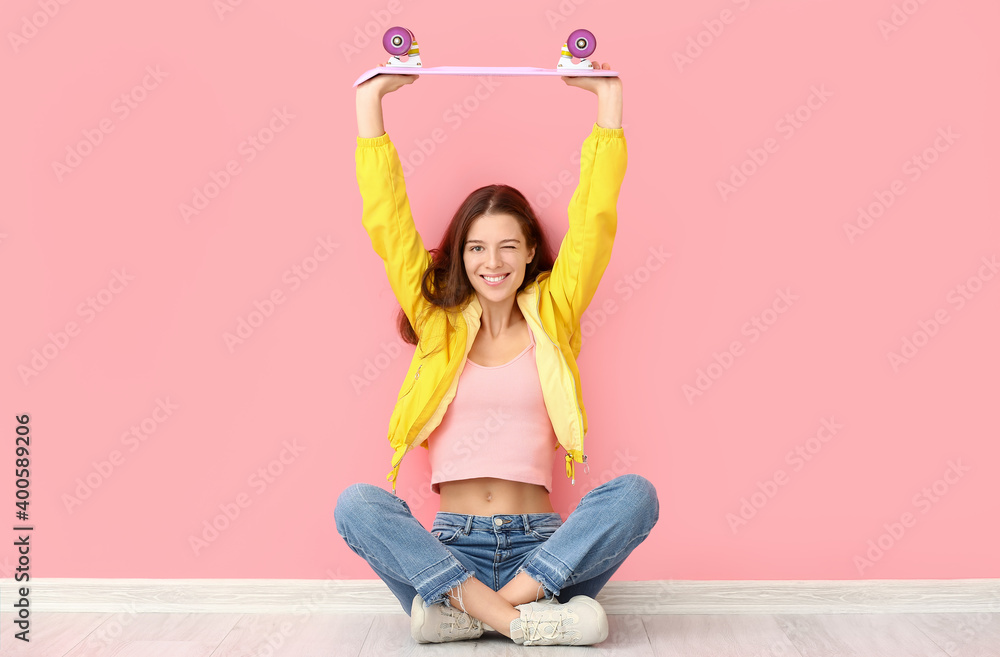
399 41
581 43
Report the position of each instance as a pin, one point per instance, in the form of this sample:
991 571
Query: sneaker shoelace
457 621
538 629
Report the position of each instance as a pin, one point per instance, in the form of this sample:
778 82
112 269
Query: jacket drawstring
571 469
392 477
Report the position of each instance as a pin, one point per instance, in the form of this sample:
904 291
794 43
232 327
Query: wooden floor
146 634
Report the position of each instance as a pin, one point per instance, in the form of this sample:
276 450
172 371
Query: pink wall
848 113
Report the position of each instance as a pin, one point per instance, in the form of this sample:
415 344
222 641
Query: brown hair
445 283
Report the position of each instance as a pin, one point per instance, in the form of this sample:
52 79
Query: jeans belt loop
468 525
527 525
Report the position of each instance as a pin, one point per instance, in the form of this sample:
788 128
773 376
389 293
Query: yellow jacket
552 305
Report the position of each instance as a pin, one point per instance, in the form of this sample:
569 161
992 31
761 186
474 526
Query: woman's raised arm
369 101
609 96
386 212
593 211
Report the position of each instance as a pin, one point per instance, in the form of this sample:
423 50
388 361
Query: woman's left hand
594 83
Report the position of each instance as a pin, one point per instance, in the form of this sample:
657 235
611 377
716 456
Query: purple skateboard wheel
397 40
581 43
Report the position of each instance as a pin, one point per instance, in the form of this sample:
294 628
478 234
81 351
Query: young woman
493 391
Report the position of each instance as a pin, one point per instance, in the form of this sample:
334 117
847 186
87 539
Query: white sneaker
439 623
579 622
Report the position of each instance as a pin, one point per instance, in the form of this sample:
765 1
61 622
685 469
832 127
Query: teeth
495 279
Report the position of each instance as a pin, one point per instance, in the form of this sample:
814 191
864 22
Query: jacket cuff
598 131
373 142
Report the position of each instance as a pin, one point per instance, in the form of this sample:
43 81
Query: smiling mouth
494 279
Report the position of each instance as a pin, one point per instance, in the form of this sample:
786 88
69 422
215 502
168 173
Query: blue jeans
571 558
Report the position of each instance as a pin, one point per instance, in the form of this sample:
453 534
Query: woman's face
496 247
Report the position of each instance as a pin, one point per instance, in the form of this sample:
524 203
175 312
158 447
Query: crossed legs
576 559
495 608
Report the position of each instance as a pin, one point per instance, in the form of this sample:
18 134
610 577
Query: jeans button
497 522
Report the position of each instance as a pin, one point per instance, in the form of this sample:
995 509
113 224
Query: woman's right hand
383 84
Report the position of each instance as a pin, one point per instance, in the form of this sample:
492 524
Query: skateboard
399 41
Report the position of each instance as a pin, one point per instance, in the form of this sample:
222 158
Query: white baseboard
645 597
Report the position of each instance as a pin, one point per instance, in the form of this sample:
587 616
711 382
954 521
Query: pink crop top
496 426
